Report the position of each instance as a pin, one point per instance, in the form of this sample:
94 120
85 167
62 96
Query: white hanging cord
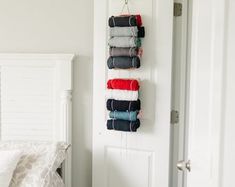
121 150
127 7
126 144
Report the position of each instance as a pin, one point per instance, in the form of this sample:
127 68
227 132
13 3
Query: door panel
142 158
129 168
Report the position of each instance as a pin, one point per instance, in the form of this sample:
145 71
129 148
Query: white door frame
179 89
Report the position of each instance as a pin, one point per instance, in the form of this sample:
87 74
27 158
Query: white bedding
54 180
8 162
38 163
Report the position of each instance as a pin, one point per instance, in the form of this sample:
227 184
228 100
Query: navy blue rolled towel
116 105
123 125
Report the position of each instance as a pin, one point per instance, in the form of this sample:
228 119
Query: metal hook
127 7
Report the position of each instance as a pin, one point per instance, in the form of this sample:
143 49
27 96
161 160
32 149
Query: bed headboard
35 99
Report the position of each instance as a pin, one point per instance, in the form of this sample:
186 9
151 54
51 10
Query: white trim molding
66 120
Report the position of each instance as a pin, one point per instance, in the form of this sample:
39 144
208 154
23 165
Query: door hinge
177 9
174 117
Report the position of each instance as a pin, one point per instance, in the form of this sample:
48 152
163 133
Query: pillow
8 162
53 180
37 161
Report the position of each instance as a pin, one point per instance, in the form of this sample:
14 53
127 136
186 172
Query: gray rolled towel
124 42
120 51
123 31
127 31
123 62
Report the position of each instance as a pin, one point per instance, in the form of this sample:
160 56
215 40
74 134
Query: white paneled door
138 159
205 94
142 159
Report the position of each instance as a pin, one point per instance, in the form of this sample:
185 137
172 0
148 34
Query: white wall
58 26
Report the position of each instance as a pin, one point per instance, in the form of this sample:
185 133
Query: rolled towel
113 105
125 21
122 95
127 31
122 125
123 62
123 84
120 51
130 116
123 31
141 32
138 20
124 42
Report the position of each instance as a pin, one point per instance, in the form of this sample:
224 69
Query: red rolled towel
123 84
138 20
